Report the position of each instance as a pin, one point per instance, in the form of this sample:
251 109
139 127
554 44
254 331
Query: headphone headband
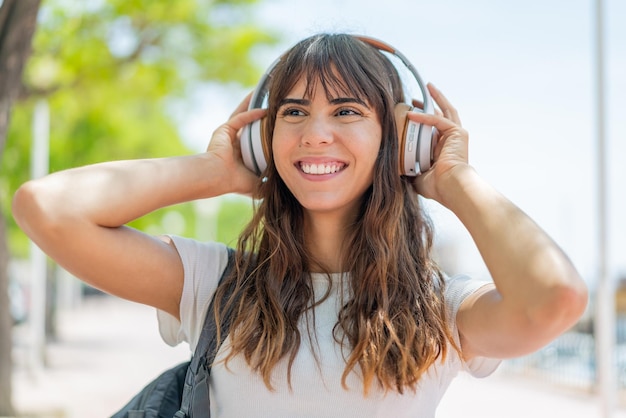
416 140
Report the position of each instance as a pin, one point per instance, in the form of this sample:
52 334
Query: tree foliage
110 71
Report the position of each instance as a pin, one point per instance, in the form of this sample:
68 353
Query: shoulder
189 248
203 265
456 290
200 259
459 289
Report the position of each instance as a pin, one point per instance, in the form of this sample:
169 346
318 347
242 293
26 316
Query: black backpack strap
196 390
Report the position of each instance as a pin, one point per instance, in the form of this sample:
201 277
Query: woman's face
325 149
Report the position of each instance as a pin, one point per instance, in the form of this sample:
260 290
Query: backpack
183 390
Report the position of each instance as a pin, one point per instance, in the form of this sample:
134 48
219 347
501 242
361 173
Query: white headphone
416 141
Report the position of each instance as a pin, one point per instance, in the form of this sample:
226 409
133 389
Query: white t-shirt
238 392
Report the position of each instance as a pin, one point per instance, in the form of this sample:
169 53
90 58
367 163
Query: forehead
331 84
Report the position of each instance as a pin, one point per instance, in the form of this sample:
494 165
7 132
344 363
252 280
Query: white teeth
320 168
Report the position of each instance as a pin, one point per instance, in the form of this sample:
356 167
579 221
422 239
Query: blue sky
521 75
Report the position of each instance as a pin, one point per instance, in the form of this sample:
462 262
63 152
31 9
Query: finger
438 143
438 120
417 103
243 118
229 131
245 103
446 107
420 105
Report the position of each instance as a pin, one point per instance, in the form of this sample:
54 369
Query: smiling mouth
321 168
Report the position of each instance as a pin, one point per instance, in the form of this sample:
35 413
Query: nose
317 131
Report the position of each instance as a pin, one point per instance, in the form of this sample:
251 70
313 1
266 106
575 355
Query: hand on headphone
451 145
224 144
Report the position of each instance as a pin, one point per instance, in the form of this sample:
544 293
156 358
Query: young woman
339 309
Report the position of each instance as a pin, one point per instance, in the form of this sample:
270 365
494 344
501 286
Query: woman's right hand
225 145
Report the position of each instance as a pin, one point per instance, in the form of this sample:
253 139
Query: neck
325 235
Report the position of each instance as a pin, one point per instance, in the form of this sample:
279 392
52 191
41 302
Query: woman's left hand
450 154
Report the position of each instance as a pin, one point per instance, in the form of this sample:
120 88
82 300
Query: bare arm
77 216
538 293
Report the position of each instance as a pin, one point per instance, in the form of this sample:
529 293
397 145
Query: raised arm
538 293
77 216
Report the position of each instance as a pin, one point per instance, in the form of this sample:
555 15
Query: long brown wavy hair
394 319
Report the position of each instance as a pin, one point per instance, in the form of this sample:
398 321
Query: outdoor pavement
108 349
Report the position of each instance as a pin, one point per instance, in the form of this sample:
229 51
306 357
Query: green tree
110 71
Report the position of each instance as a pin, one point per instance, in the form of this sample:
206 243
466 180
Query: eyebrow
337 100
341 100
287 100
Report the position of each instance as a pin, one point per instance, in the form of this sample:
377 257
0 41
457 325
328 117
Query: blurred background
540 85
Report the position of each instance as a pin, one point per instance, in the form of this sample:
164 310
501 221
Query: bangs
340 63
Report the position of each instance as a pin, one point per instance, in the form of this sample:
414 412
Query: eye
348 111
291 112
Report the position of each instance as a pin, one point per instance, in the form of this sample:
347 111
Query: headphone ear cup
252 148
426 148
264 145
400 113
245 145
415 142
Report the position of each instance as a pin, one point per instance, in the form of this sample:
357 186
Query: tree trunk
18 19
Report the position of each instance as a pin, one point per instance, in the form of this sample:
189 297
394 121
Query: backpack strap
196 390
